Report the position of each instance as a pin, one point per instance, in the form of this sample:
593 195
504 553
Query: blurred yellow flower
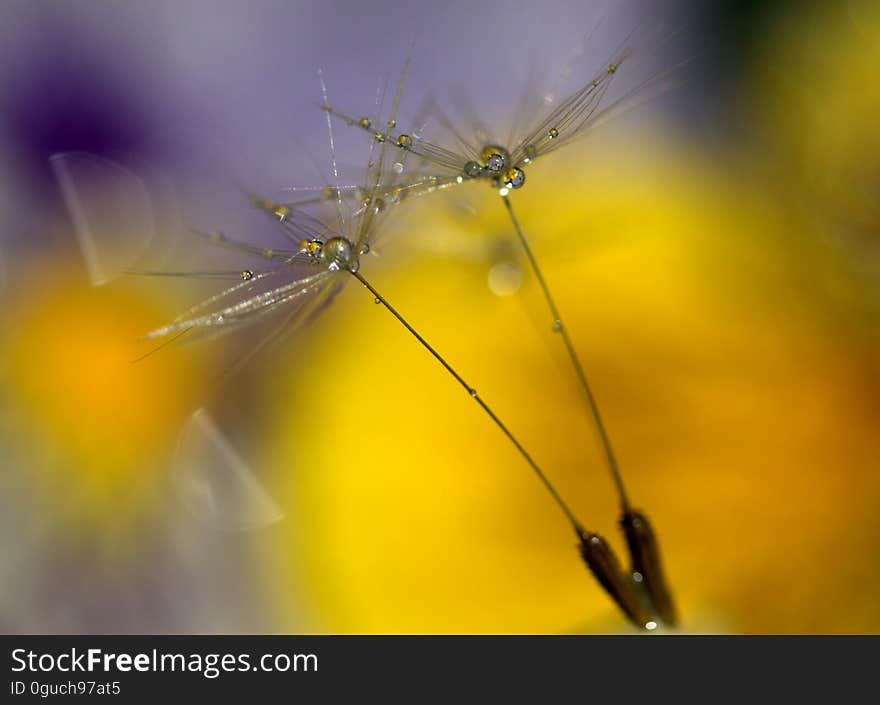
818 95
740 401
93 430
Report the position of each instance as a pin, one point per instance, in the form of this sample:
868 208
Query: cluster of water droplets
495 164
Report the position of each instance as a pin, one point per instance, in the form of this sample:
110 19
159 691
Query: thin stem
476 397
559 326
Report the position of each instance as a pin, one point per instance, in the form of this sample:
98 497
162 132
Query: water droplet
530 153
552 133
557 326
612 68
377 300
495 163
472 170
365 249
313 248
650 626
391 124
247 275
404 141
495 158
379 137
514 178
338 251
327 107
637 576
472 392
365 123
398 167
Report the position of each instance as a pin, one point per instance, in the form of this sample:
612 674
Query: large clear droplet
215 484
495 163
111 210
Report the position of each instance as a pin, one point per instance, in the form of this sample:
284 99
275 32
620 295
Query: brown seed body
645 554
602 562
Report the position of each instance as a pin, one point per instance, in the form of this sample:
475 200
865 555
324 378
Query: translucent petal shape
215 484
111 210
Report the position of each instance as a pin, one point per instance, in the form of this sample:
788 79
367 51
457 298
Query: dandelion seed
325 257
602 562
647 567
502 168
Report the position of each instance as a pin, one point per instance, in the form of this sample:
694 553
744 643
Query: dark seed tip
644 553
605 567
